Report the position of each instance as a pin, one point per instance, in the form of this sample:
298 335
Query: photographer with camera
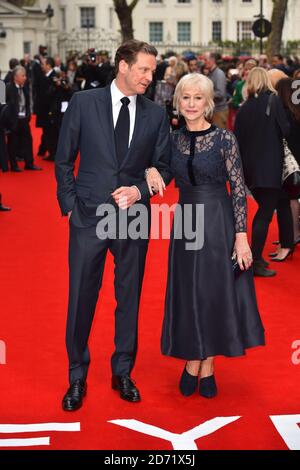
106 72
95 69
87 72
59 95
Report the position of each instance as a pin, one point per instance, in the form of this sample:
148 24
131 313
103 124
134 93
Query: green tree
278 17
124 12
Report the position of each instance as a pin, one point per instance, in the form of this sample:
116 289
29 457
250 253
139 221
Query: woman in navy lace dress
209 311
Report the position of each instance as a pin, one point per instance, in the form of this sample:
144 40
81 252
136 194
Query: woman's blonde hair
173 59
258 81
196 80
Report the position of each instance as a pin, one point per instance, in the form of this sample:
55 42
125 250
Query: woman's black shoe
265 263
260 270
188 383
288 255
208 387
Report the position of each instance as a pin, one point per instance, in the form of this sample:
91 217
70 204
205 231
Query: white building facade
204 21
79 24
21 31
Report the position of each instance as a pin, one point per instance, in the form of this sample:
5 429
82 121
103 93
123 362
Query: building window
87 17
217 1
183 31
217 30
155 1
183 1
247 1
27 47
63 19
155 31
244 30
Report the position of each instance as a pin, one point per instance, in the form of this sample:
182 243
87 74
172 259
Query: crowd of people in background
43 86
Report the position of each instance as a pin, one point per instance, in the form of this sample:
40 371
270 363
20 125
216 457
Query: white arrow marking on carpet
38 441
15 428
288 428
184 441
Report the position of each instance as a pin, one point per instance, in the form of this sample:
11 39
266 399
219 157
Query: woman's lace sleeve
236 179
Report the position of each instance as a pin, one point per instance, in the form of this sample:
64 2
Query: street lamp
88 26
261 27
49 13
261 16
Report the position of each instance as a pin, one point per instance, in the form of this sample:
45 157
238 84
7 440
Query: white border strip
16 428
39 441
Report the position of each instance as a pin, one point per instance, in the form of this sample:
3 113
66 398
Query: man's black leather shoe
49 159
126 387
4 208
73 398
33 167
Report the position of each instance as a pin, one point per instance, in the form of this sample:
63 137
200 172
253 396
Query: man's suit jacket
42 96
12 100
5 123
88 127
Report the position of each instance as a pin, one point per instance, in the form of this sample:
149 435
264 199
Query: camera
92 56
60 81
43 51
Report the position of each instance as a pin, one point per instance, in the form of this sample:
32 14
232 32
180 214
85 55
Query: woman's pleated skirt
208 310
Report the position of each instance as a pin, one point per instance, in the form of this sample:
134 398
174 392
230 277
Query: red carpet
33 300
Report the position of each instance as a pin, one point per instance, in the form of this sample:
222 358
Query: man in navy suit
119 134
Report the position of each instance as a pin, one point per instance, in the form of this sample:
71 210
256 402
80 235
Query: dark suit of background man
12 64
4 123
46 120
119 133
19 137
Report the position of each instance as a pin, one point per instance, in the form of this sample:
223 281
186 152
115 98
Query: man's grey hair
18 68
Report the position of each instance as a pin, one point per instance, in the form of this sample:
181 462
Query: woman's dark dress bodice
210 157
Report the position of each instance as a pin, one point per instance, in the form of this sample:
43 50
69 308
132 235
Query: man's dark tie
21 93
122 130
